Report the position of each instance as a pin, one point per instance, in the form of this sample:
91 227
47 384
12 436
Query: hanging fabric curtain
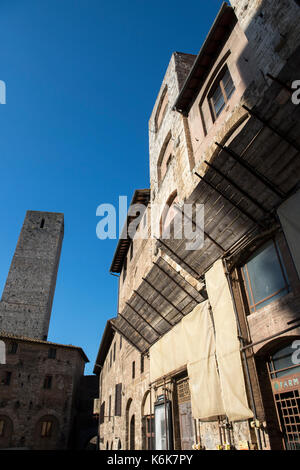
191 343
227 345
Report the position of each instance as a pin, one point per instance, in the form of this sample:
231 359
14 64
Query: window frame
149 431
46 430
253 306
52 353
7 379
13 347
219 85
48 382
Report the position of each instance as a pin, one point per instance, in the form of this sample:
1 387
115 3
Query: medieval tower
26 303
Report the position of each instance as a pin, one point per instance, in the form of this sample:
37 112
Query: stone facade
244 153
116 430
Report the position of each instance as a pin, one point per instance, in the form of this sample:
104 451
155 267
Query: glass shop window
163 425
265 277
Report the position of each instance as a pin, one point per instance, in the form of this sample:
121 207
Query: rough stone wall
27 298
179 171
133 394
273 31
141 261
25 401
241 65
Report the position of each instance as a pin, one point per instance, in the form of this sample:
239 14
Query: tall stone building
26 303
41 382
217 325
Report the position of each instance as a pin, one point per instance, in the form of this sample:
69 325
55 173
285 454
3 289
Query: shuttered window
118 400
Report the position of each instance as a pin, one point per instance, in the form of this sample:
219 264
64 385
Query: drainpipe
243 353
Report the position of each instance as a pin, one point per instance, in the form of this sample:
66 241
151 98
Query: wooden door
185 414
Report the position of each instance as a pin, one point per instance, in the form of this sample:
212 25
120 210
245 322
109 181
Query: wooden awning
245 182
163 298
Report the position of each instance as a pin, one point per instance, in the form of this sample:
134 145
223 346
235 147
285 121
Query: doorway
284 374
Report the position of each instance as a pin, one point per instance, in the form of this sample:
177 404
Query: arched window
46 433
168 214
148 427
161 108
165 158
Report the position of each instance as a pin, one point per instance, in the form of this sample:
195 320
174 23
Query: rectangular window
109 408
102 413
121 337
265 277
48 382
133 370
1 427
52 353
46 429
13 348
118 400
142 364
114 352
110 358
221 93
7 378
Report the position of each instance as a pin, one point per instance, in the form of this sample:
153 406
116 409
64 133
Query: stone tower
26 303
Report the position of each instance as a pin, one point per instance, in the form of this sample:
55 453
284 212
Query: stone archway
6 431
279 379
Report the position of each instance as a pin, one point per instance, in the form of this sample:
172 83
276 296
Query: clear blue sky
82 77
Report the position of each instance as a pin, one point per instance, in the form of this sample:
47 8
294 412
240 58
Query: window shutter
118 400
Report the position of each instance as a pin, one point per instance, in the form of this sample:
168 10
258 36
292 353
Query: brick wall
25 401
